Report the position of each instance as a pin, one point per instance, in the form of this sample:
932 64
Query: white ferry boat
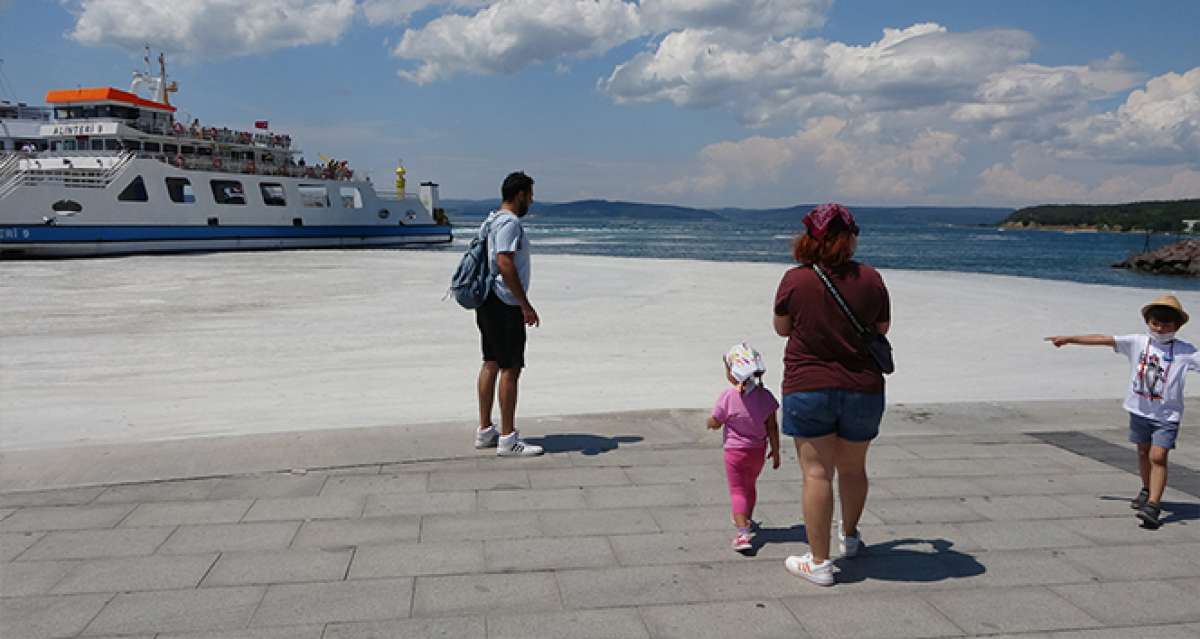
115 173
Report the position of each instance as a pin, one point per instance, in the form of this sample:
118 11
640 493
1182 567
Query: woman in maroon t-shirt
832 389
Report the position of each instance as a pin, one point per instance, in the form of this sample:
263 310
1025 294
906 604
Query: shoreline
153 348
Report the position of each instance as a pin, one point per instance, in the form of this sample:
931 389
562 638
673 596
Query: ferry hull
36 241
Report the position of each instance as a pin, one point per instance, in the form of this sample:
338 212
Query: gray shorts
1143 430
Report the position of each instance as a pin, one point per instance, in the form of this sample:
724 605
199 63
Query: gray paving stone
577 477
274 486
713 471
343 533
355 469
230 538
293 508
1018 484
986 611
871 616
276 567
49 616
180 513
532 499
1119 531
928 487
64 497
530 592
749 580
1108 483
28 578
1018 535
630 586
361 600
1022 507
494 479
613 623
920 511
375 484
136 573
65 518
159 491
5 512
673 548
87 544
13 544
766 619
642 457
952 534
1138 602
440 465
547 553
479 526
1094 505
1124 563
177 611
409 560
460 628
695 518
652 496
1017 568
617 521
419 504
277 632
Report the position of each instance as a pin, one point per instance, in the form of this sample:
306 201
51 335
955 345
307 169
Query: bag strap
840 302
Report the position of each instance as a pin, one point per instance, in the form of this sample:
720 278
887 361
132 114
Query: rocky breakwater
1180 258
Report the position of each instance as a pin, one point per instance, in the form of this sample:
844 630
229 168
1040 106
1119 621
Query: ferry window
187 150
228 192
314 196
351 198
97 145
204 151
112 145
272 194
170 148
151 147
180 190
132 146
135 192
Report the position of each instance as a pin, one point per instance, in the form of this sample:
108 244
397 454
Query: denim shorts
851 416
1143 430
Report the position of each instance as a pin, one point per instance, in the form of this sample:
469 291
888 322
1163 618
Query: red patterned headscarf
819 220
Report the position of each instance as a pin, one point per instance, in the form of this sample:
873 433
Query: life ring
216 163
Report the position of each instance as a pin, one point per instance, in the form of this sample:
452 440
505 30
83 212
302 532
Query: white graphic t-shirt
508 236
1158 370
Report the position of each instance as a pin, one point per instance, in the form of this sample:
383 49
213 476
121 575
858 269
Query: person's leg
816 464
487 392
1158 473
851 464
751 471
509 379
734 458
1143 455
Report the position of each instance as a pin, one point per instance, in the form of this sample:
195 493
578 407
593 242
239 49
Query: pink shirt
745 416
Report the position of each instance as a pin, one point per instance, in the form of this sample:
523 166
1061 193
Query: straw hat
1167 301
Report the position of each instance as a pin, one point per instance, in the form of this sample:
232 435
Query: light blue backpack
472 280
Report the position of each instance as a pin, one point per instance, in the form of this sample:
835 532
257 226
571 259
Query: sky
748 103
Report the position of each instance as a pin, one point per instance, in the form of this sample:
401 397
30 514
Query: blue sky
700 102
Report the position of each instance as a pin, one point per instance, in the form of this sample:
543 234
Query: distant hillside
474 210
1135 216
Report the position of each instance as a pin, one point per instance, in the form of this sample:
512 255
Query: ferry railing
10 173
81 177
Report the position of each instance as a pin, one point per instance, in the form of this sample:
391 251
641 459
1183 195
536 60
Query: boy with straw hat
1155 397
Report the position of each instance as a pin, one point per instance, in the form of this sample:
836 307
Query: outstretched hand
1059 340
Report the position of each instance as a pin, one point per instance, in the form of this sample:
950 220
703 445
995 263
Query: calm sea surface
1077 257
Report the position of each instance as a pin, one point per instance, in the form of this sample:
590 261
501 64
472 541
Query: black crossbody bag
876 344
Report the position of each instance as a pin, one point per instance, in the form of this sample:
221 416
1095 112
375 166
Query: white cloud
380 12
1158 124
761 17
512 34
216 28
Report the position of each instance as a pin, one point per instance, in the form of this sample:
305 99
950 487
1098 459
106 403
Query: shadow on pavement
906 560
582 442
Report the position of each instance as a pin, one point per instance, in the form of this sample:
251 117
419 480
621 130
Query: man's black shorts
501 332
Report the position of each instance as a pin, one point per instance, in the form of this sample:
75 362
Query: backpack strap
837 297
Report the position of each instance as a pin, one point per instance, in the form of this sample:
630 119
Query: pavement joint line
1183 478
97 615
210 568
353 554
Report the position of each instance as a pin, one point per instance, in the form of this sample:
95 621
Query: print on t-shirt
1151 380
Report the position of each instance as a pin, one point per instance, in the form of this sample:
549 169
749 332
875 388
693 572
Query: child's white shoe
486 437
513 446
742 542
820 574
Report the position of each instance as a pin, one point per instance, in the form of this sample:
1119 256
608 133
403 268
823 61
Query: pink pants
742 466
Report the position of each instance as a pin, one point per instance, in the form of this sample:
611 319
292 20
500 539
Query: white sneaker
820 574
486 437
512 446
849 545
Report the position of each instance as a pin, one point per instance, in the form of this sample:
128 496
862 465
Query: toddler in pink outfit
747 413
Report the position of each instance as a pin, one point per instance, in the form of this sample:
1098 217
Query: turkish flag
261 124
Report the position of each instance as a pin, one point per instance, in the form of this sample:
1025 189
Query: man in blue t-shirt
503 317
